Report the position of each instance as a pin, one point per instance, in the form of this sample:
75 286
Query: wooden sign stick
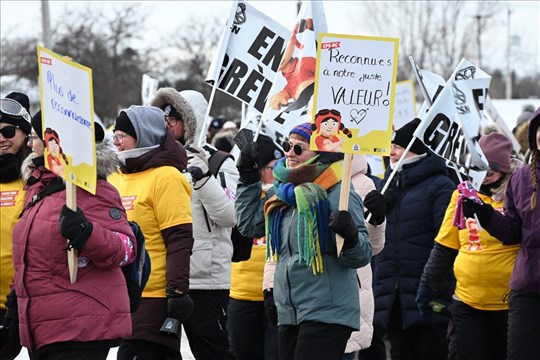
344 194
71 202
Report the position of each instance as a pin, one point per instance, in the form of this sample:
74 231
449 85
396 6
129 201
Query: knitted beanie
404 135
19 121
123 123
498 150
268 151
304 130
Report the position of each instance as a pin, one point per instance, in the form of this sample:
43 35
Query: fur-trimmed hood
182 105
106 160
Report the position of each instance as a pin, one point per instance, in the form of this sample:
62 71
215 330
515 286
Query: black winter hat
404 135
268 151
123 123
19 121
533 128
37 125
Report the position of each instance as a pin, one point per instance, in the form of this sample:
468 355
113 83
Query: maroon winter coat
51 309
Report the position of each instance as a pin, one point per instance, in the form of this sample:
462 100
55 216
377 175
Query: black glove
270 306
342 223
75 227
11 319
424 295
483 211
247 164
179 305
376 205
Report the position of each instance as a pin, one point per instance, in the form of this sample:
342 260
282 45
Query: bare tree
436 33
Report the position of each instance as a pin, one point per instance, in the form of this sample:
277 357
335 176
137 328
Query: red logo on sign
330 45
46 61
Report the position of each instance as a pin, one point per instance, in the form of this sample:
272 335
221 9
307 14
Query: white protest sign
148 88
68 118
353 103
404 103
247 66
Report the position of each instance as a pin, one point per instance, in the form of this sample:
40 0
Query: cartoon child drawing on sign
329 127
298 71
56 157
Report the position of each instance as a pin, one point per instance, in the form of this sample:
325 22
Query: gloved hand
11 319
179 305
247 164
75 227
424 295
483 211
342 223
270 306
197 163
376 205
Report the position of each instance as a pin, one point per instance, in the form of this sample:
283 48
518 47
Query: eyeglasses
171 120
8 131
32 138
287 146
119 137
13 108
328 111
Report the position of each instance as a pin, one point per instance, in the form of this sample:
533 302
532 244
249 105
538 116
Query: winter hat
404 135
217 123
37 125
147 122
304 130
498 150
123 123
20 121
533 128
268 151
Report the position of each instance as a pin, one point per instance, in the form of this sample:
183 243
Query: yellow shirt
157 199
11 205
247 276
483 265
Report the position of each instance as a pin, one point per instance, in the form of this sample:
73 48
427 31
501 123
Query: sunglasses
328 111
287 146
13 108
9 131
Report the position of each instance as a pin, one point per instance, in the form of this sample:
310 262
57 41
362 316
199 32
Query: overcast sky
23 18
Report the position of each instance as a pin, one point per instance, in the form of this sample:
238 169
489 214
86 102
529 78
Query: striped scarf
305 188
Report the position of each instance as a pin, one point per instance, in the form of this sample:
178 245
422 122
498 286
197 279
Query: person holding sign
14 129
156 195
60 319
481 264
315 291
416 201
520 224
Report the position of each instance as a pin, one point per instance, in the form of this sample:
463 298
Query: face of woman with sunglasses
13 144
293 159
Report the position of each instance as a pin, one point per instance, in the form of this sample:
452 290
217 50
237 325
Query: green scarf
303 187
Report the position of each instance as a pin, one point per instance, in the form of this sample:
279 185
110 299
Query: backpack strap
215 161
54 186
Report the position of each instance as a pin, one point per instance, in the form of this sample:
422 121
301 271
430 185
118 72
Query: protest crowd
269 246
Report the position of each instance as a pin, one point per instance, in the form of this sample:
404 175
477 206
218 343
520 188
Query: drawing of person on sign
299 71
56 159
330 130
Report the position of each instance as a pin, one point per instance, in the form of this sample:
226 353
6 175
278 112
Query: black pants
479 334
523 326
252 335
313 340
206 328
145 350
70 351
10 346
416 342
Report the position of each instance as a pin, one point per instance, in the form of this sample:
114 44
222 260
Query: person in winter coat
156 195
212 203
315 289
481 264
253 333
416 201
376 226
14 129
520 224
58 319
